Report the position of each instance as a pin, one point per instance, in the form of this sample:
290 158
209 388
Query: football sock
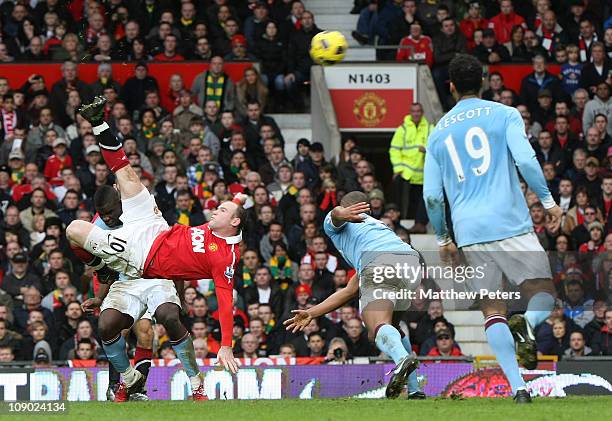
117 355
502 343
113 374
142 360
186 354
539 308
111 149
413 383
389 341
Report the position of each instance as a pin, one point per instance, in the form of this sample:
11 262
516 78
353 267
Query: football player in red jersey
146 247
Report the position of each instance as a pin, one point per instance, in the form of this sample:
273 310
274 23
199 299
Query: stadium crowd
197 146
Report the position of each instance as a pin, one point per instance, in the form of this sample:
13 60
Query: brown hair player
146 247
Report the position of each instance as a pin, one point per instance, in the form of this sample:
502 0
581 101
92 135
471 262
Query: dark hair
313 334
85 341
465 73
105 195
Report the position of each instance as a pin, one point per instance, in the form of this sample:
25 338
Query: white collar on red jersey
233 239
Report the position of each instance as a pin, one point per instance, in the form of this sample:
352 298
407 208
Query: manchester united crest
213 247
370 109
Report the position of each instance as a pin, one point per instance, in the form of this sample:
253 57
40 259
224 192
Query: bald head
352 198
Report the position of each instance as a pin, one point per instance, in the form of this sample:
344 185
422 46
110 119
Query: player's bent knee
111 323
78 231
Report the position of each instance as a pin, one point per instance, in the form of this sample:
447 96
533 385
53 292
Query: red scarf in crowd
583 47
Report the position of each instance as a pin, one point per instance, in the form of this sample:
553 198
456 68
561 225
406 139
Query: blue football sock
413 383
186 354
539 308
116 354
501 341
389 341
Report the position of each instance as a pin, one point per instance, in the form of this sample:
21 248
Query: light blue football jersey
354 240
472 155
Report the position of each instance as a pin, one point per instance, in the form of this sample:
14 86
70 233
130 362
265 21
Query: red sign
371 97
18 74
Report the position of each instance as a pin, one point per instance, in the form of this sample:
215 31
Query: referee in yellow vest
407 153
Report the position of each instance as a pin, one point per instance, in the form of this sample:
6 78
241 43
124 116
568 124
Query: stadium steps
333 15
294 127
469 331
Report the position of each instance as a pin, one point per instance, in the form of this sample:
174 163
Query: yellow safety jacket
406 158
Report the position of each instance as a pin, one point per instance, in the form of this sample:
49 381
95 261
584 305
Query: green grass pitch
571 408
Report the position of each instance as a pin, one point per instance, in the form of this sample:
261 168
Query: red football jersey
192 253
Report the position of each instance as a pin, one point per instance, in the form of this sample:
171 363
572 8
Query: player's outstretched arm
302 318
352 213
226 321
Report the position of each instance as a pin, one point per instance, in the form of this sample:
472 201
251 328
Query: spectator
169 52
400 26
298 57
316 345
516 46
578 307
59 92
445 345
489 51
537 81
367 22
20 278
601 343
503 22
84 331
214 85
600 104
31 305
357 340
446 45
135 87
550 32
472 22
271 51
587 39
250 89
84 350
407 155
8 337
598 321
577 346
415 47
598 71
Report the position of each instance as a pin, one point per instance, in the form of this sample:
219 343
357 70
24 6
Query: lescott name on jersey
462 116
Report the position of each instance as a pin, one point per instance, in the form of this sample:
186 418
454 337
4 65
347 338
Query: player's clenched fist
227 360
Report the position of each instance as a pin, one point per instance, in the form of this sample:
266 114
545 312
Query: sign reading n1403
374 78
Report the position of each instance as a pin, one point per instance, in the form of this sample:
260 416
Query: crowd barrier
273 379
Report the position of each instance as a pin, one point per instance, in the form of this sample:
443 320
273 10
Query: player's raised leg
377 316
168 315
540 294
112 151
